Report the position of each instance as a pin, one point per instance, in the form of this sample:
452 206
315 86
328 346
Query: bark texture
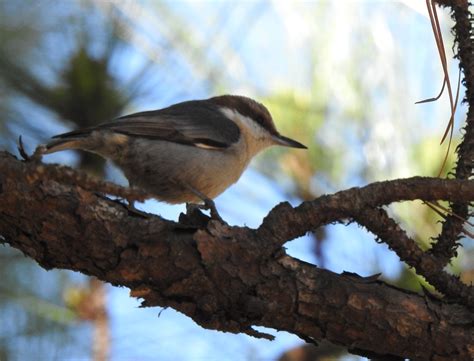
447 242
232 278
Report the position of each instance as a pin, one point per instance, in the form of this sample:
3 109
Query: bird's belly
170 171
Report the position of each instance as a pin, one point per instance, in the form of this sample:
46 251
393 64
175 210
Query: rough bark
232 278
447 242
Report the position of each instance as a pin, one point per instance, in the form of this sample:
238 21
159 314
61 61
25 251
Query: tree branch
226 278
362 205
285 222
445 247
385 228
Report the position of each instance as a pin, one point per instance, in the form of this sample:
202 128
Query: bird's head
254 120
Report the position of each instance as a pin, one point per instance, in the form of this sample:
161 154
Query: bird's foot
211 206
208 205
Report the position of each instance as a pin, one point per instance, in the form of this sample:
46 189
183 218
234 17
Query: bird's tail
72 140
62 144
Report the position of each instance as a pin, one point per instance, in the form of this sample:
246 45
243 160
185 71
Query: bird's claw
208 205
211 206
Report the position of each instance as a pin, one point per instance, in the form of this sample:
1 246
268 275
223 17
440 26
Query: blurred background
341 77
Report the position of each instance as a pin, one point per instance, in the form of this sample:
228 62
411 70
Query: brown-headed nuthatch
187 152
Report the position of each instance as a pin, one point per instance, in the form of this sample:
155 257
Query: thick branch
223 277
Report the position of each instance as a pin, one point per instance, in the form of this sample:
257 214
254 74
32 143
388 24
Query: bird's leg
208 204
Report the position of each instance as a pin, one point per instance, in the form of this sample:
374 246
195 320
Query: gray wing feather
191 123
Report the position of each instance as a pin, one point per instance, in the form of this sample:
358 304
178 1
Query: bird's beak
287 142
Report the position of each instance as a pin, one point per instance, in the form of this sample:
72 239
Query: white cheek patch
255 129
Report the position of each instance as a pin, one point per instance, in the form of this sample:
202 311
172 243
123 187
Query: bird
189 152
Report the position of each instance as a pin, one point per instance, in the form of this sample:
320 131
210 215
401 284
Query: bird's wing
192 123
